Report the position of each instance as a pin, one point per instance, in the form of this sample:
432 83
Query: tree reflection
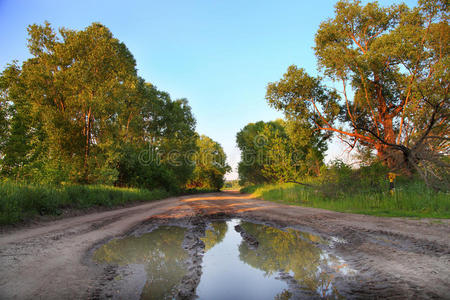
165 260
284 295
215 236
289 251
160 251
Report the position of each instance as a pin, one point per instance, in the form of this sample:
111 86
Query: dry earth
394 257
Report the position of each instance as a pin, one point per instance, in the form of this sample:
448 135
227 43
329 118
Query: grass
410 199
19 202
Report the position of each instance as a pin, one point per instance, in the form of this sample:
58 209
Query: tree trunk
87 145
385 152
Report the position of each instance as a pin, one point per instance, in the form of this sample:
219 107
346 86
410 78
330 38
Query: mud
251 241
394 257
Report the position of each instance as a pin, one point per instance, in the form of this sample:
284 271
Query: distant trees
392 65
210 165
252 143
279 151
77 112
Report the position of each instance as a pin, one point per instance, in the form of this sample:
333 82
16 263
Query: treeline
279 151
77 112
392 107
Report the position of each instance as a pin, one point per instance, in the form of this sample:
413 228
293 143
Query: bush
340 179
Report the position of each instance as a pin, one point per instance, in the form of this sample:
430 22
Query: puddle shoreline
121 280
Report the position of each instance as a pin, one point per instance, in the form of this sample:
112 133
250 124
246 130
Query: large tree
210 165
392 66
78 84
76 111
252 141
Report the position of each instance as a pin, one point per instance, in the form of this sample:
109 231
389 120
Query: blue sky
220 55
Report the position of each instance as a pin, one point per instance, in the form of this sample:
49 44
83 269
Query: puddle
159 252
258 262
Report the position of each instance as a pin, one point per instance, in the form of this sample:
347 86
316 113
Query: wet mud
307 266
395 258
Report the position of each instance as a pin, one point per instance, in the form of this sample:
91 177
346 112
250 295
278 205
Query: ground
399 257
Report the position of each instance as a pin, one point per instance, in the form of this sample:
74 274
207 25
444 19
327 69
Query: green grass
411 199
19 202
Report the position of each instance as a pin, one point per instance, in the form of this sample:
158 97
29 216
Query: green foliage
293 95
364 190
210 165
279 151
20 201
339 179
251 142
391 64
77 112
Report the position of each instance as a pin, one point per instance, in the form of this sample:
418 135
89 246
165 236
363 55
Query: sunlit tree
391 64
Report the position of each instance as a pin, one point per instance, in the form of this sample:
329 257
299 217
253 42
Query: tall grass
21 201
410 199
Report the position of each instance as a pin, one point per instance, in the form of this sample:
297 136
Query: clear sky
220 55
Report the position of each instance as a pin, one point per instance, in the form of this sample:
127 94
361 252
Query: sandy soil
395 257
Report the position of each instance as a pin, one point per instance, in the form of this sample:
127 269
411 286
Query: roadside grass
410 199
19 202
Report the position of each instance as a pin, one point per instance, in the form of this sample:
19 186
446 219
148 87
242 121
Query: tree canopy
77 112
391 64
210 165
279 151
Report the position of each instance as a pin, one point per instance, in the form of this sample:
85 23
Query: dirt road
393 256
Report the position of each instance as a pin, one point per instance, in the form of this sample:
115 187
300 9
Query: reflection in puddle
227 276
159 251
292 252
286 264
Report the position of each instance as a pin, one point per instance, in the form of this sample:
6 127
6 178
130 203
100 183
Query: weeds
21 201
362 191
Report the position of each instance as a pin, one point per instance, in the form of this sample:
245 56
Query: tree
392 64
78 112
178 139
16 124
252 140
279 151
295 150
4 113
210 165
76 84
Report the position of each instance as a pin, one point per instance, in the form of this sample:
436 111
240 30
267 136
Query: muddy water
240 260
159 252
